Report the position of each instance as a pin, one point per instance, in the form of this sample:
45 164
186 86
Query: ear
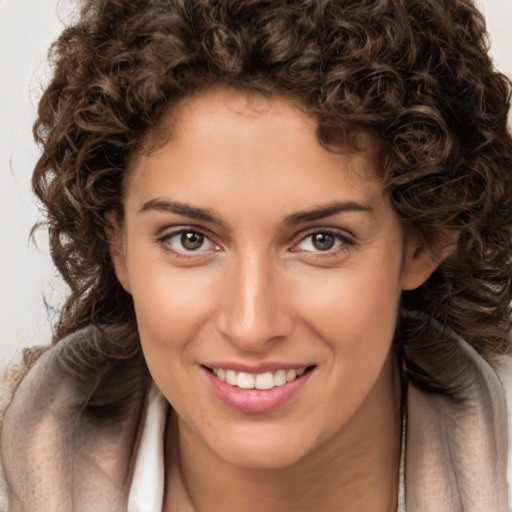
421 259
116 240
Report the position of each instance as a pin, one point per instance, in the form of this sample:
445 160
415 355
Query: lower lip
256 401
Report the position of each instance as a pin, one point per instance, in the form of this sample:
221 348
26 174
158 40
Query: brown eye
323 241
327 241
192 241
185 241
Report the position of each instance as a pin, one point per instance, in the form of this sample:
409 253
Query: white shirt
147 489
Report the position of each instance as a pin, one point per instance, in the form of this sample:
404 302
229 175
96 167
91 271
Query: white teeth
245 380
266 380
231 377
291 375
280 378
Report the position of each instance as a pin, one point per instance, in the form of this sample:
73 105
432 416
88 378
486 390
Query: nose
253 311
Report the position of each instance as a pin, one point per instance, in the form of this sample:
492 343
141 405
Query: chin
263 448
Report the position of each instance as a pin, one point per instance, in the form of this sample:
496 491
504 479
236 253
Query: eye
187 241
322 241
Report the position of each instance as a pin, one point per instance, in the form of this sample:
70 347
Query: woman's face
258 259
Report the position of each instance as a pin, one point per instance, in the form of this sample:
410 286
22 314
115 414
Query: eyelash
184 254
345 242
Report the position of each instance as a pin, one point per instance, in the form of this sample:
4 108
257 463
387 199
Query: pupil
192 241
323 241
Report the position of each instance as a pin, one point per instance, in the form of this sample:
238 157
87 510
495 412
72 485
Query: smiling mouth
265 380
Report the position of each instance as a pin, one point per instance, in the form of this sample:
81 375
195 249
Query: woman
286 227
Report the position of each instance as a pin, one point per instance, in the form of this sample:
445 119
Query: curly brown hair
416 74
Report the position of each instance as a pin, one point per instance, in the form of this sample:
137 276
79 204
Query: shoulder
76 403
23 400
503 367
74 377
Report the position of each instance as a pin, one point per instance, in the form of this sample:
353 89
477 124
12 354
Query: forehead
219 105
227 138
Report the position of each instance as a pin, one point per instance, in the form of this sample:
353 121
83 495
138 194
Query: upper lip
268 366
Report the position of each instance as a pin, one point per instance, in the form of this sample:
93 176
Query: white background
26 274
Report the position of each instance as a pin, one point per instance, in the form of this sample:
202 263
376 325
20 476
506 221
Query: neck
355 470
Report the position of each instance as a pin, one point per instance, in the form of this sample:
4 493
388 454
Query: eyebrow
184 209
207 215
326 211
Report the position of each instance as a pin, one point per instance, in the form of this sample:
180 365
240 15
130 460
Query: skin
258 289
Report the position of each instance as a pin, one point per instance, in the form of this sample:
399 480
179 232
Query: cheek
173 310
172 307
352 304
165 296
171 313
354 313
